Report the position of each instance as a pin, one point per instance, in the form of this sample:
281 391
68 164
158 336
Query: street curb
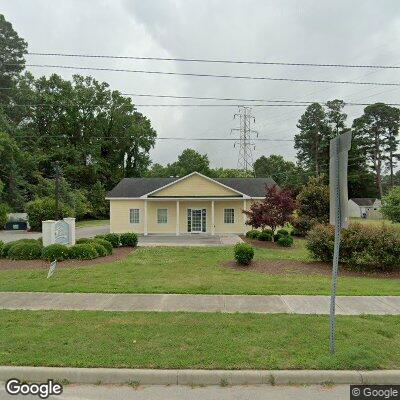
197 377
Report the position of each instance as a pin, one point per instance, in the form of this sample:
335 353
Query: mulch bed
287 267
265 245
118 254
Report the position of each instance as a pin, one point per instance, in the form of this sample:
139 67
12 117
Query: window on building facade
162 215
229 216
134 215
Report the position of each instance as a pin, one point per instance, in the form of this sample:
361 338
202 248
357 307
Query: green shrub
6 247
107 245
84 240
302 225
128 239
265 236
4 210
1 247
391 205
25 250
101 250
113 238
253 234
244 253
43 209
84 251
362 247
55 251
285 241
283 232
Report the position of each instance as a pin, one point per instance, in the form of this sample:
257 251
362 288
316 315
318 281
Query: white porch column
145 218
244 217
177 218
212 219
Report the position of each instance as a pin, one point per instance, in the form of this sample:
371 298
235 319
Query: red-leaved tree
275 210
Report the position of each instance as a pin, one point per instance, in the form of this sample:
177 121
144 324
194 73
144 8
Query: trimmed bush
283 232
113 238
253 234
25 250
107 245
101 250
285 241
244 253
362 247
265 236
128 239
1 247
84 240
6 247
84 251
55 251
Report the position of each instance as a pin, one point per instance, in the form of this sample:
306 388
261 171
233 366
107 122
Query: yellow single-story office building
192 204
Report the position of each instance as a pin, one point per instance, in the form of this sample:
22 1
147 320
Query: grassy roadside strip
192 340
191 270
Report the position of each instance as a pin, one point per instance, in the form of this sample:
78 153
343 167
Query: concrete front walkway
345 305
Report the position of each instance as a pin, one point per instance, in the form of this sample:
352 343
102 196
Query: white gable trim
245 196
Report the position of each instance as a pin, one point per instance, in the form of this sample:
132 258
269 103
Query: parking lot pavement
188 240
10 236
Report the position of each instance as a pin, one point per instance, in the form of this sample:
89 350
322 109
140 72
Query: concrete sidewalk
345 305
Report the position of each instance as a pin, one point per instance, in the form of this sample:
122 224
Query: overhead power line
183 139
218 61
247 77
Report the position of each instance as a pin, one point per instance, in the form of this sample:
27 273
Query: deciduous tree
275 210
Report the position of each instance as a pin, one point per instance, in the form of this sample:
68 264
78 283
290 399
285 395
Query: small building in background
365 207
17 222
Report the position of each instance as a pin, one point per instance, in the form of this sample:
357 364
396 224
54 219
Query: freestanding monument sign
62 231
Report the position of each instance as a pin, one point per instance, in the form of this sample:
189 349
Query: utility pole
57 191
245 143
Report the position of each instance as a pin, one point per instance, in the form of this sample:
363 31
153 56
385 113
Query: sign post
339 148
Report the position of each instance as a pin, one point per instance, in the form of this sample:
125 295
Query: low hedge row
362 247
85 248
282 237
128 239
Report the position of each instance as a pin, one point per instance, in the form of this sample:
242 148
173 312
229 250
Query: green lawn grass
195 340
191 270
92 222
375 222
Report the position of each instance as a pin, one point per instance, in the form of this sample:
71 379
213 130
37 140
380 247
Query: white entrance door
197 221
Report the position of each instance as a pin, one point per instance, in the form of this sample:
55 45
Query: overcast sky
349 31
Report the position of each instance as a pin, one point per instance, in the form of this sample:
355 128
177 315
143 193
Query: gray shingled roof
136 187
363 201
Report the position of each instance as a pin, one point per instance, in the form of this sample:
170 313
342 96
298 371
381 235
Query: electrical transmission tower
245 143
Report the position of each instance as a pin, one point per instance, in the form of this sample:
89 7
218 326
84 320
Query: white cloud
360 31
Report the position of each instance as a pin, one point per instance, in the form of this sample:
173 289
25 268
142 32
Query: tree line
94 133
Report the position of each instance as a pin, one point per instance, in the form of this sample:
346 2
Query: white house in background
364 207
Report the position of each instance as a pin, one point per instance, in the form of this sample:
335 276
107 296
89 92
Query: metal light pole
339 148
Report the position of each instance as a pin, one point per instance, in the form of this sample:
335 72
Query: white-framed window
229 215
162 215
134 215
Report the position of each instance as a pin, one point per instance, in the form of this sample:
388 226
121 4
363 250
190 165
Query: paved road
89 231
345 305
109 392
